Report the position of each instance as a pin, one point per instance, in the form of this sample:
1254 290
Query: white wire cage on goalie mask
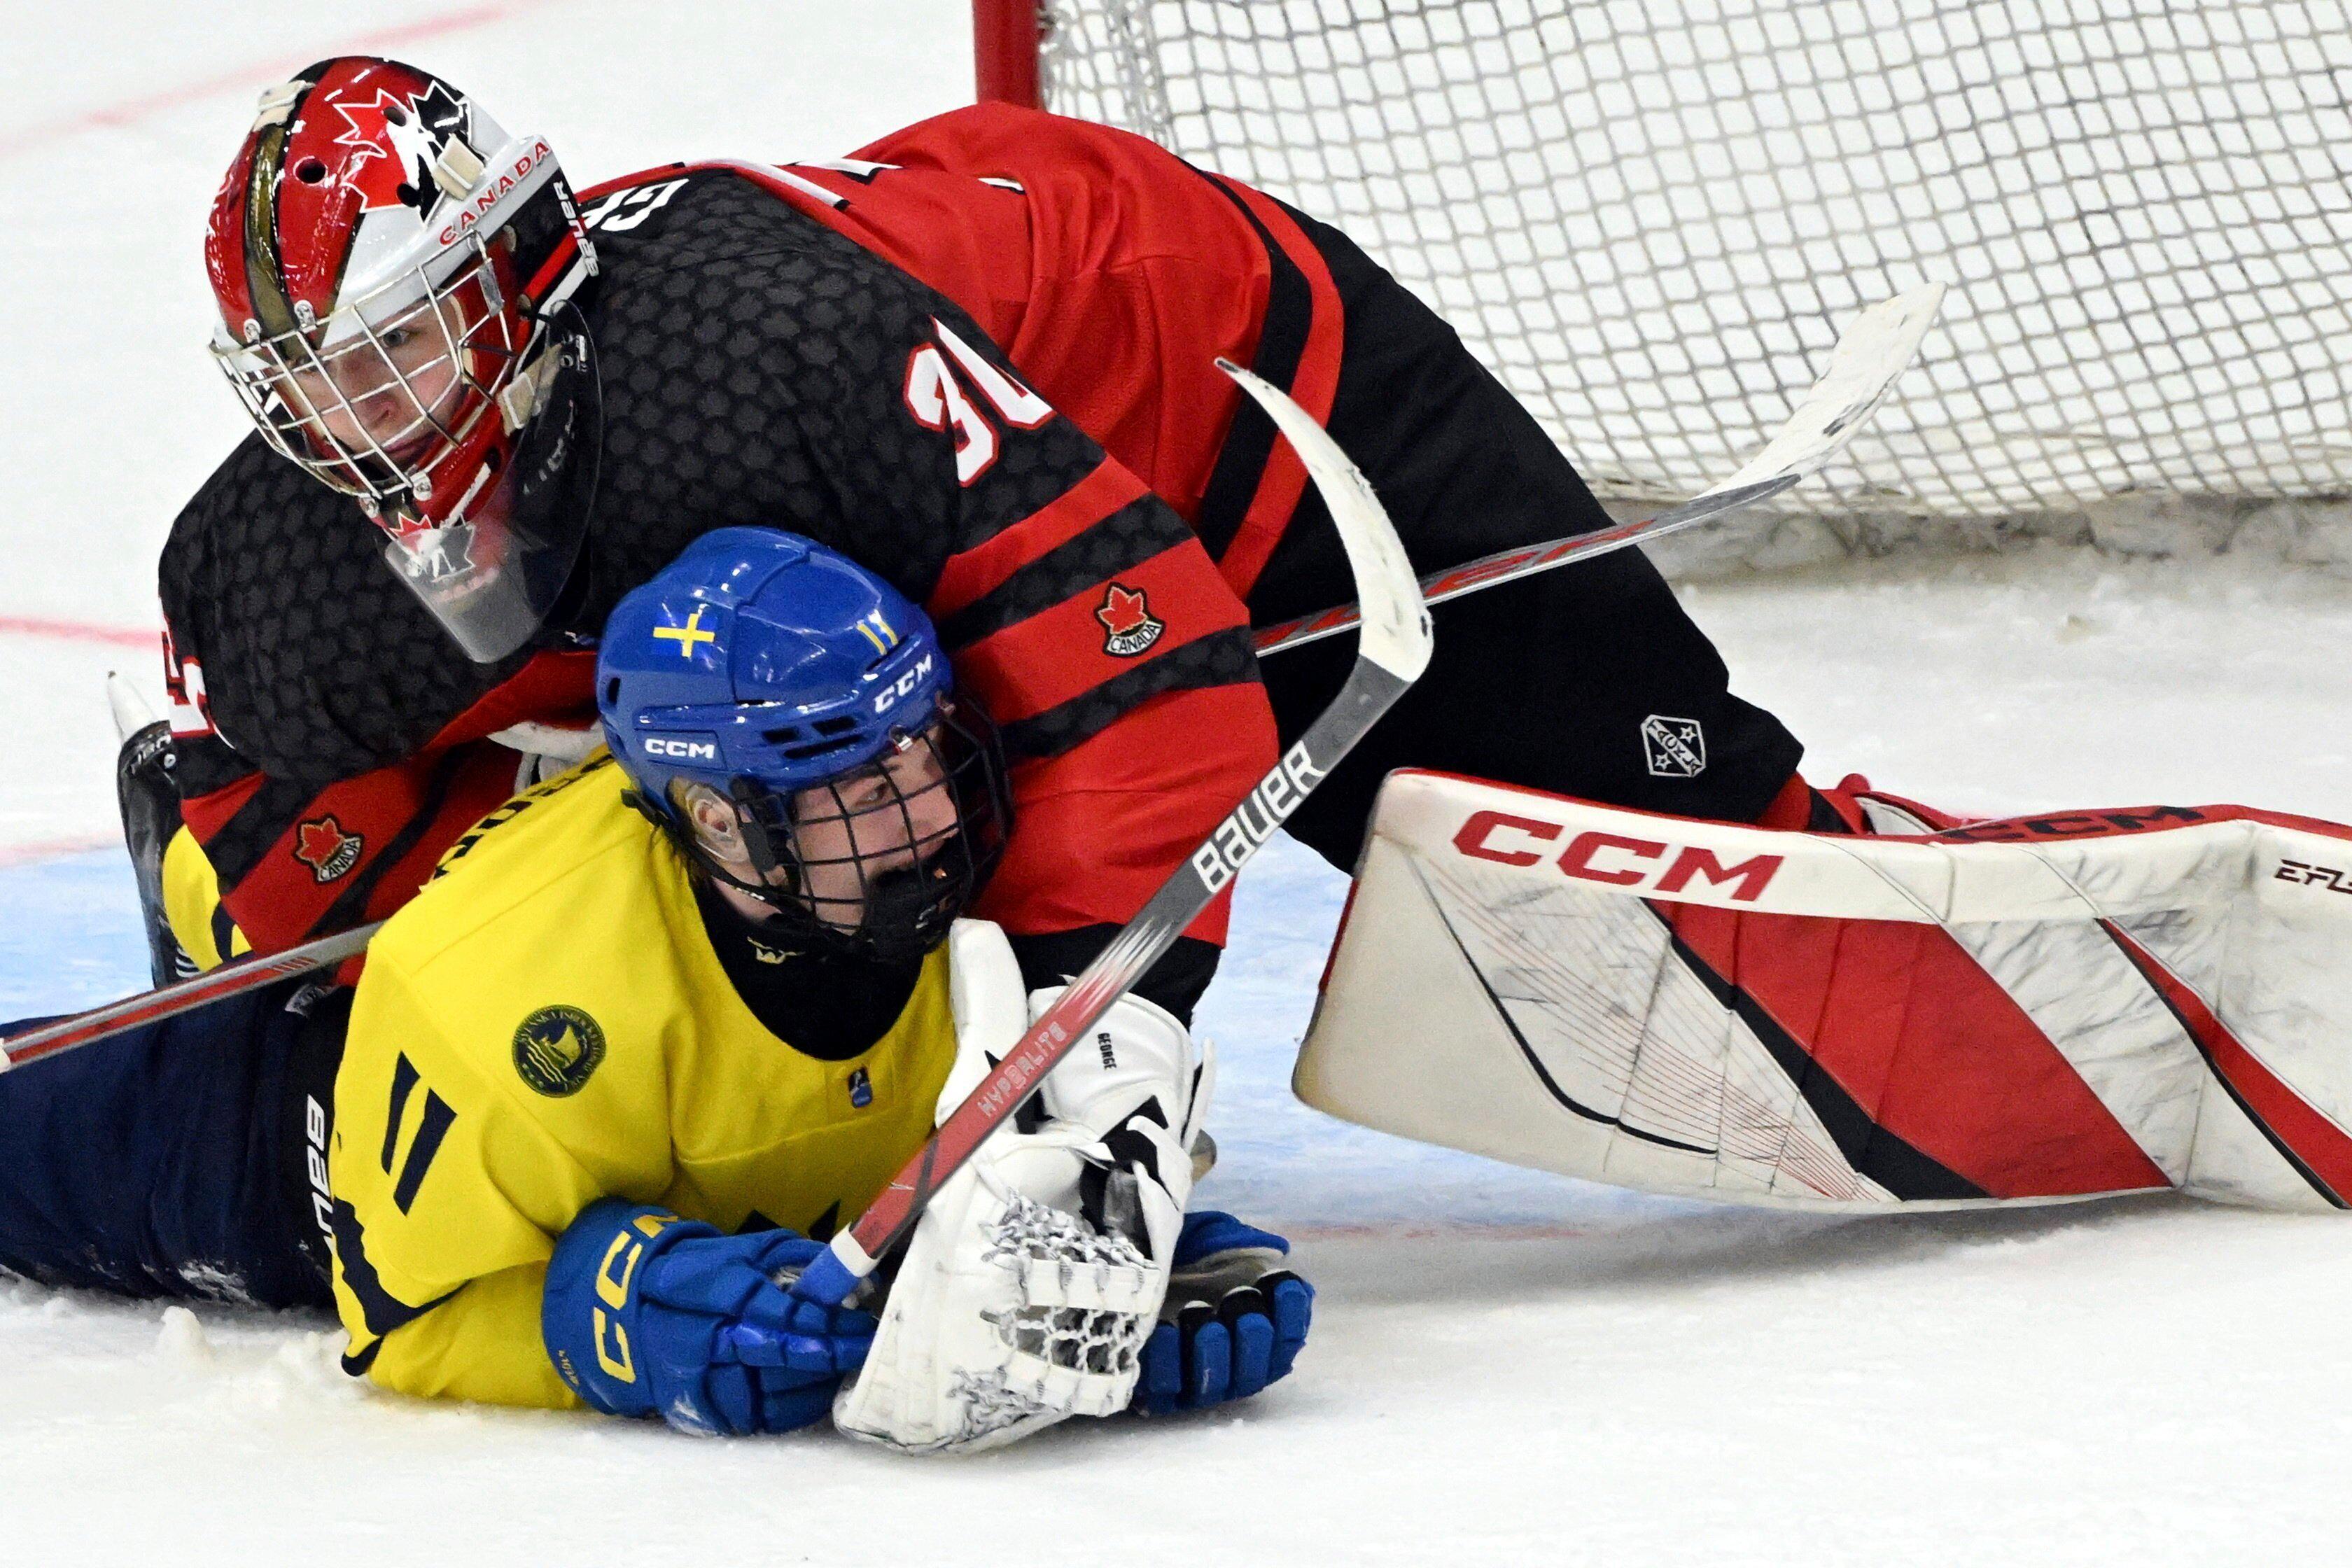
393 272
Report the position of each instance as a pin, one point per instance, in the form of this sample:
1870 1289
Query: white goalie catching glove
1035 1275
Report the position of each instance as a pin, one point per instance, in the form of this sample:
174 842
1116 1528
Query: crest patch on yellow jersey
556 1049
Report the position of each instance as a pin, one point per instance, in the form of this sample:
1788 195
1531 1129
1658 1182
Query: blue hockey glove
649 1314
1232 1321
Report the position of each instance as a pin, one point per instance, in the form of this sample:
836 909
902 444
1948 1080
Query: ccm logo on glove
695 1327
620 1267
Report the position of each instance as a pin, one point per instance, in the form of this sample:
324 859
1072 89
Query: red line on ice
252 77
55 848
81 631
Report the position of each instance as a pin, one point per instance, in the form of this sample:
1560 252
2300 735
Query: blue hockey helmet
865 801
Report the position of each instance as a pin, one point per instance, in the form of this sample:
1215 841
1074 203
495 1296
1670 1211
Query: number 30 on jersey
940 400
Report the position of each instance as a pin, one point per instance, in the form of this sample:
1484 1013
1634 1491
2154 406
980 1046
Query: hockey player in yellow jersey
661 1020
556 1022
652 1031
600 1019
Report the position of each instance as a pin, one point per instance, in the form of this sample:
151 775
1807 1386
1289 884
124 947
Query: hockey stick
1863 366
182 995
1391 653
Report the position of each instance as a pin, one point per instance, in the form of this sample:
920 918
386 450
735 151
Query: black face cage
915 833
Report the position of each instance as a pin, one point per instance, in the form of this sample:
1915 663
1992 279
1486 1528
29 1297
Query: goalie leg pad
2054 1006
151 815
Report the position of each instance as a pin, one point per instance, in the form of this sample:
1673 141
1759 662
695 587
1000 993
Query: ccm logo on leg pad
1615 858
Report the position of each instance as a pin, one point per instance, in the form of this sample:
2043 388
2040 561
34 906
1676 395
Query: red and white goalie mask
394 273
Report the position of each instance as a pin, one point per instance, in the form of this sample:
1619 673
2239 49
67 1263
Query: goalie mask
394 274
790 719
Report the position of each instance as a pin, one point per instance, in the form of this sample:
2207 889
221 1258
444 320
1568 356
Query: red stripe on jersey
1078 861
206 814
1311 387
553 686
484 781
282 900
285 895
1063 652
981 568
2297 1127
1928 1046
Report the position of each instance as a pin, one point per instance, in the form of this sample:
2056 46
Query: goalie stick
1868 357
1395 647
1871 353
231 979
1392 651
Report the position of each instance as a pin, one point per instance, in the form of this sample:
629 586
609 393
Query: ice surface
1508 1368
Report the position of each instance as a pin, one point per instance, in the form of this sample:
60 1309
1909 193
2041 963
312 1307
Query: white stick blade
1394 631
130 712
1871 355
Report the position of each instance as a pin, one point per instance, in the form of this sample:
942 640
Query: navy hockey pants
1560 681
176 1160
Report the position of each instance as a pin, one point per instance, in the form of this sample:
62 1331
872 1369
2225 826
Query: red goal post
1649 219
1005 37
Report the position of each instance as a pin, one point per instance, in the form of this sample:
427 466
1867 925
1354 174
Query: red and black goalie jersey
769 356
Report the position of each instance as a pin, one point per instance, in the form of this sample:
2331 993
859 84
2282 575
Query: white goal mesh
1651 217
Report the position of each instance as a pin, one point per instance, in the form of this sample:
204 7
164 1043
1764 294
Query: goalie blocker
2045 1008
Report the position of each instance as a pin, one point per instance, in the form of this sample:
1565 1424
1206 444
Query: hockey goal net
1650 218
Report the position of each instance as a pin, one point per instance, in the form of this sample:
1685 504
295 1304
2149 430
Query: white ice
1506 1368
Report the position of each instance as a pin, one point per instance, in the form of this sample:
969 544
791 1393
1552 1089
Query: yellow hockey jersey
547 1024
192 905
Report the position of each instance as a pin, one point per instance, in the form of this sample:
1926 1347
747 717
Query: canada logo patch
326 849
556 1049
1128 625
